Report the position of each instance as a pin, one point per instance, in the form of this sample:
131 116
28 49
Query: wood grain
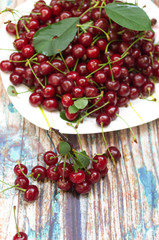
122 206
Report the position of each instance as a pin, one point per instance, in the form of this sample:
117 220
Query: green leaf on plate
128 15
12 91
49 40
64 148
73 109
81 103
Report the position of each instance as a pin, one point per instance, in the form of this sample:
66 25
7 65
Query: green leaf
83 159
81 103
12 91
64 31
62 115
128 15
73 109
64 148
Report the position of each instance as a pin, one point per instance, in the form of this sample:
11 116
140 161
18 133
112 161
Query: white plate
146 111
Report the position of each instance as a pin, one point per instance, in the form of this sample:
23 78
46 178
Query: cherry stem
28 62
87 114
5 49
134 138
64 166
79 138
136 112
110 69
56 68
63 60
22 170
106 144
14 208
9 188
44 115
96 4
14 186
74 69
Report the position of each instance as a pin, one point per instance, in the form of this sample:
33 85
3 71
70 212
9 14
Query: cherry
114 151
117 59
39 4
10 28
134 92
67 100
31 193
17 58
92 52
101 162
33 24
77 176
20 43
72 75
90 91
22 236
104 119
19 70
101 23
50 158
50 104
85 39
143 61
111 111
111 97
100 77
58 64
6 66
19 171
52 174
45 13
93 65
77 91
129 61
70 116
85 18
41 58
93 176
128 36
122 101
36 99
78 51
104 172
122 47
67 170
48 91
67 85
65 14
101 44
28 51
82 69
138 80
39 172
135 52
56 9
147 47
115 71
22 182
28 75
82 81
83 188
45 68
124 90
55 79
64 184
70 61
148 89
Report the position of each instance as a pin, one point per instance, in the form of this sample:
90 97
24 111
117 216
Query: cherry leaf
81 103
73 109
12 91
49 40
83 159
64 148
128 15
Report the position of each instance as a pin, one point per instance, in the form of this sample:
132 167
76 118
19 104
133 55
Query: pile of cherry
70 173
80 71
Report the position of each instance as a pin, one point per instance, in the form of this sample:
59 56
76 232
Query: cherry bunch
105 64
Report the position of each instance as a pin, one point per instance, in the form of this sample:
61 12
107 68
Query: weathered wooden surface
122 206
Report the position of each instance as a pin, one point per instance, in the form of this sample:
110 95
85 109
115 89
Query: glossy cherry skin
10 28
101 43
101 23
78 91
124 90
83 188
78 51
15 79
52 173
104 172
22 236
103 119
77 176
50 158
64 185
111 97
45 14
68 169
85 39
22 182
66 100
148 89
93 176
20 43
92 52
82 69
48 91
101 162
134 92
55 79
39 172
31 193
111 111
6 66
70 116
18 171
114 151
100 77
90 91
17 58
50 104
138 80
36 99
45 68
28 51
93 65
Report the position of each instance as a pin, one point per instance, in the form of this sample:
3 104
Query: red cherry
64 185
101 162
93 176
52 174
66 100
39 172
50 104
36 99
19 172
104 119
22 182
48 91
50 158
114 151
67 171
22 236
70 116
6 66
83 188
31 193
77 176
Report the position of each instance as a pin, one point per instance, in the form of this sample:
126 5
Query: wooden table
123 205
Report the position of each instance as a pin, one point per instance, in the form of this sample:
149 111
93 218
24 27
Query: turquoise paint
149 184
11 108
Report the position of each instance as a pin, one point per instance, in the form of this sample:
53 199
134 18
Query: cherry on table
31 193
50 158
6 66
36 99
83 188
104 119
64 170
22 182
39 172
93 176
64 184
114 151
77 176
52 173
23 236
101 162
20 170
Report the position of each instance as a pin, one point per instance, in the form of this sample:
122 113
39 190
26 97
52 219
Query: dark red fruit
50 158
50 104
39 172
64 185
6 66
101 162
70 116
31 193
22 236
114 151
52 173
83 188
103 119
93 176
67 100
36 99
67 170
22 182
77 176
19 172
